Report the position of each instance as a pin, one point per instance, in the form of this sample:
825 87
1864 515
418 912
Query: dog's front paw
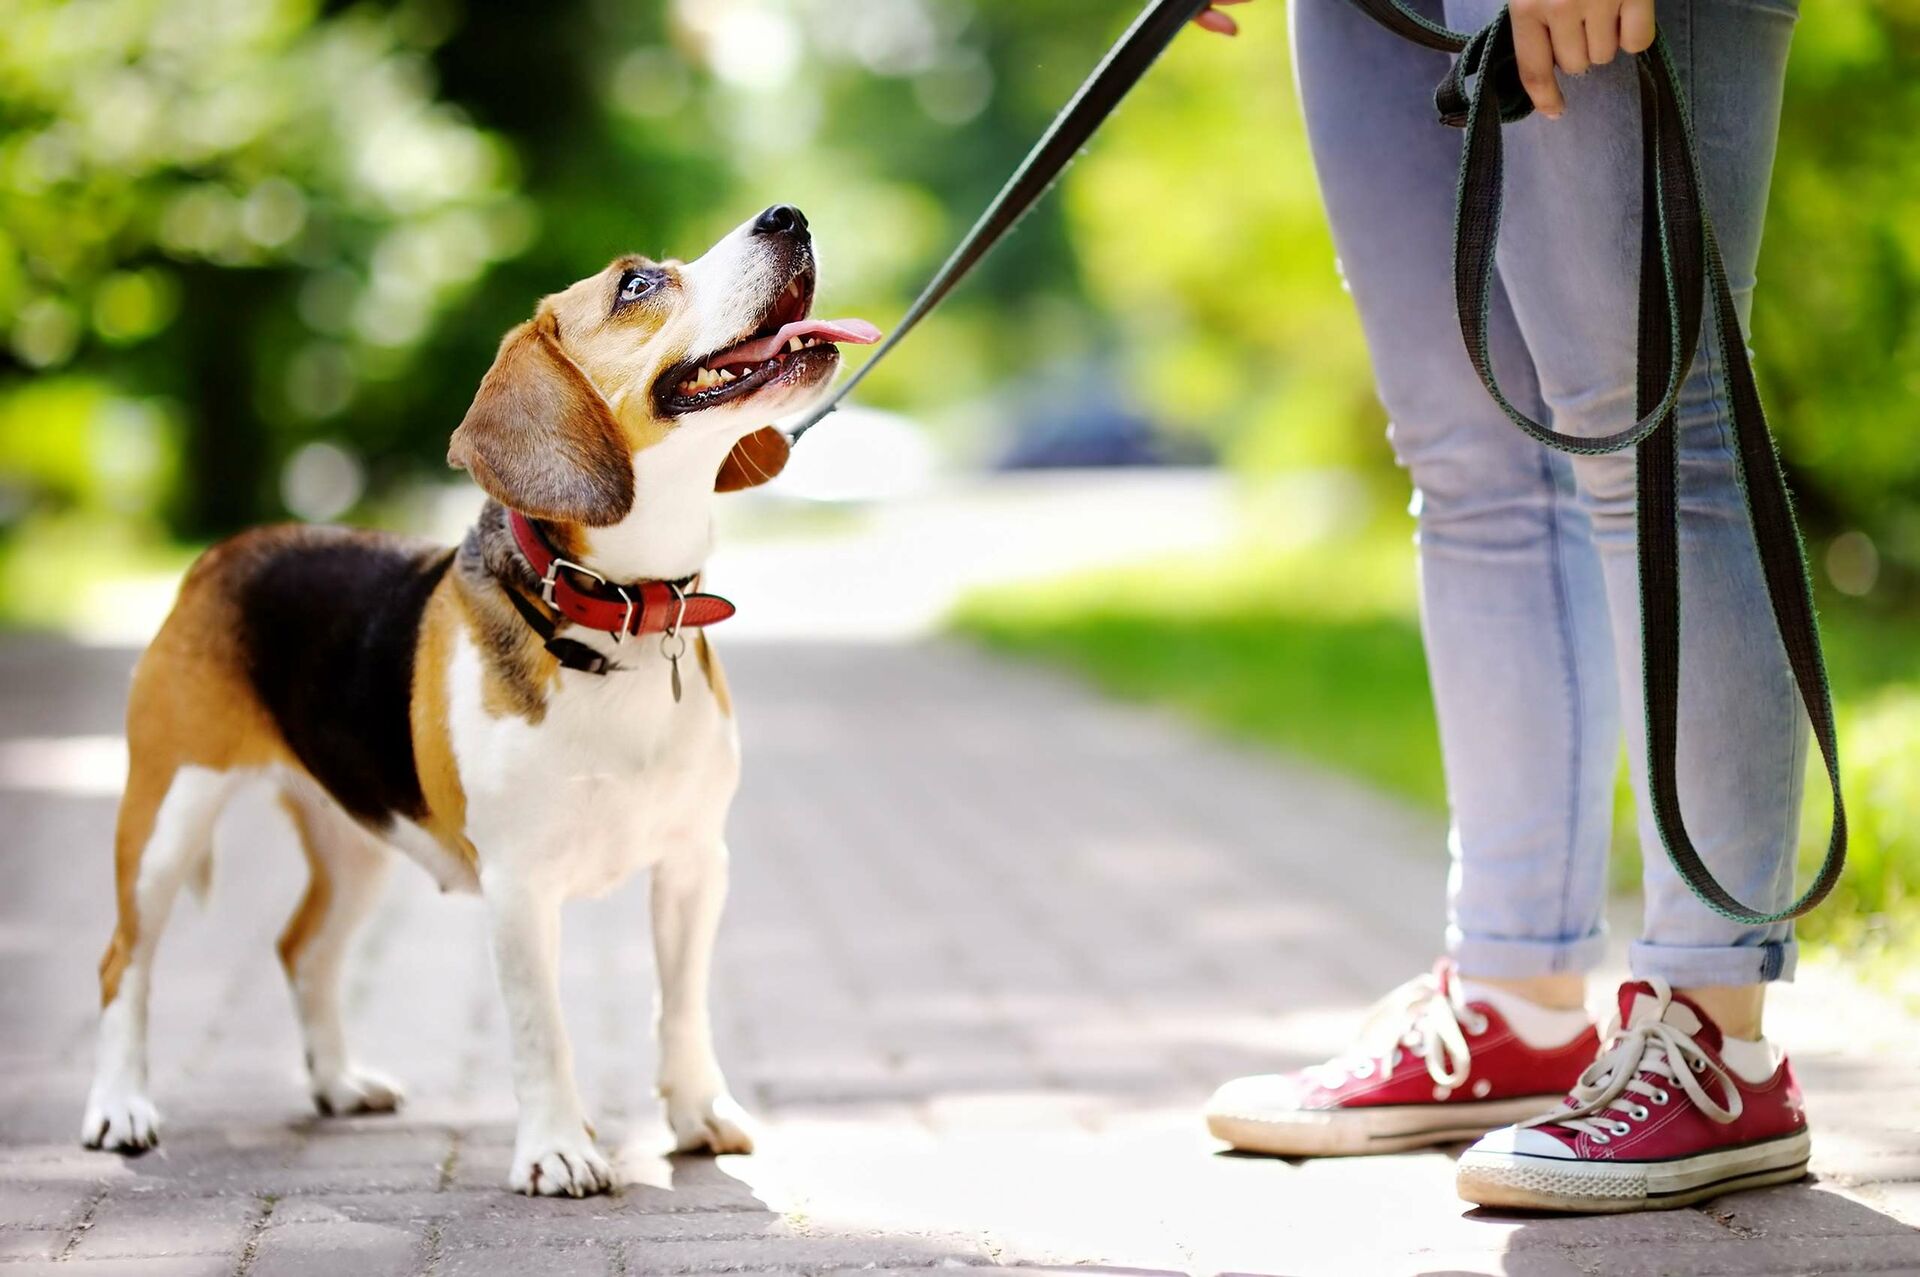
559 1167
120 1122
354 1090
715 1123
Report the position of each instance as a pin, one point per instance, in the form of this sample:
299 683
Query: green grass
1316 652
1316 657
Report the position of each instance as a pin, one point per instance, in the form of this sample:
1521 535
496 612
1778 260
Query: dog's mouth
786 348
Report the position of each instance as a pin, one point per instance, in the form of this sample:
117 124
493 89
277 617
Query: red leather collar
614 607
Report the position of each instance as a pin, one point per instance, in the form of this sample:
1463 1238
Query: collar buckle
552 579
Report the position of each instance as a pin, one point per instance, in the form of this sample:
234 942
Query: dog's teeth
793 343
726 375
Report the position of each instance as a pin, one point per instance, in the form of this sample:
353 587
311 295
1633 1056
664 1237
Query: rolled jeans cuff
1515 958
1691 966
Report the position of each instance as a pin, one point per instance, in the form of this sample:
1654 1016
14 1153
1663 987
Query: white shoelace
1650 1045
1418 1018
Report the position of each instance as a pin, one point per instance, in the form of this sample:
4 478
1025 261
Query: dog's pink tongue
857 331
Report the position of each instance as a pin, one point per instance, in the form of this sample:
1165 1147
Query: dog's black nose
781 219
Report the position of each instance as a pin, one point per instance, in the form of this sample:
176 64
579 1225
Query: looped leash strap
1680 268
1077 121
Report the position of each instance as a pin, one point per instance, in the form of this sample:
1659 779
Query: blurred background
255 255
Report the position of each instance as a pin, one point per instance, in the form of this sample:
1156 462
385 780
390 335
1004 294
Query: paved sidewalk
991 942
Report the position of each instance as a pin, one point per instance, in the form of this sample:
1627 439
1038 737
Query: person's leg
1513 605
1568 259
1514 613
1691 1103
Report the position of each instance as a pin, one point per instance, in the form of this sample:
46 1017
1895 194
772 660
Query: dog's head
625 358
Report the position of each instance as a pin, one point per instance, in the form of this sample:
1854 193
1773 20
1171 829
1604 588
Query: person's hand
1572 35
1211 19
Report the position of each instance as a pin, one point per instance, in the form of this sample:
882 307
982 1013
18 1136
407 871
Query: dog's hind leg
164 834
689 889
347 867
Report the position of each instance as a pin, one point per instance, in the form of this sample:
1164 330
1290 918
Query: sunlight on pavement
82 766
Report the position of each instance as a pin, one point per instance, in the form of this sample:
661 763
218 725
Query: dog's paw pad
562 1168
121 1124
353 1091
717 1125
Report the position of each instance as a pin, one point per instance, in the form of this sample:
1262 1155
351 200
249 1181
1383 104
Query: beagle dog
532 716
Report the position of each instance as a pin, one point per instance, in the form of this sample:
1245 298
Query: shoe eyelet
1599 1137
1699 1066
1476 1026
1639 1113
1364 1071
1661 1097
1622 1128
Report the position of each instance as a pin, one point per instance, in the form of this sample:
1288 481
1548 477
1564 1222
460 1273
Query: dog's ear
540 439
754 460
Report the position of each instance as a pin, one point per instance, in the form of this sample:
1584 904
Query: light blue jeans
1528 585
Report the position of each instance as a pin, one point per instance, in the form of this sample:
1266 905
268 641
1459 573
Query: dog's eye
636 284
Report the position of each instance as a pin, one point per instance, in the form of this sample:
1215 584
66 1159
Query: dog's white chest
615 776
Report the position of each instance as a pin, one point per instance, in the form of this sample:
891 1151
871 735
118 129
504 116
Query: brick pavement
991 942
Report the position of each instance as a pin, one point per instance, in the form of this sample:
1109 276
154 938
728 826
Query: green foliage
259 225
1314 650
1837 310
270 201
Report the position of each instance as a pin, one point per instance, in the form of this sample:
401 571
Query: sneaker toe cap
1521 1141
1252 1096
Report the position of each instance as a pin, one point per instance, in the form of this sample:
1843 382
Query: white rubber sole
1521 1181
1383 1129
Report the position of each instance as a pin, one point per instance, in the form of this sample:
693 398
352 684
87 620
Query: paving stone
1651 1228
339 1249
376 1208
146 1266
1900 1200
1763 1257
1800 1212
521 1260
1529 1263
505 1227
38 1208
129 1226
32 1243
801 1253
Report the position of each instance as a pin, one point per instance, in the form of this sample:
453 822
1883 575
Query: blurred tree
1837 312
234 230
245 207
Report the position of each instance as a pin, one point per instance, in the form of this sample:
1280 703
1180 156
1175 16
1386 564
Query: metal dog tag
673 646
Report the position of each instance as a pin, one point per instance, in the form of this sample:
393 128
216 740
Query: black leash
1070 130
1680 265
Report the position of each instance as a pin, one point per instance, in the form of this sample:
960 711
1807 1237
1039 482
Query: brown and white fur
391 693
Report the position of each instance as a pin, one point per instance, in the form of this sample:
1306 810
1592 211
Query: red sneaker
1659 1121
1430 1068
